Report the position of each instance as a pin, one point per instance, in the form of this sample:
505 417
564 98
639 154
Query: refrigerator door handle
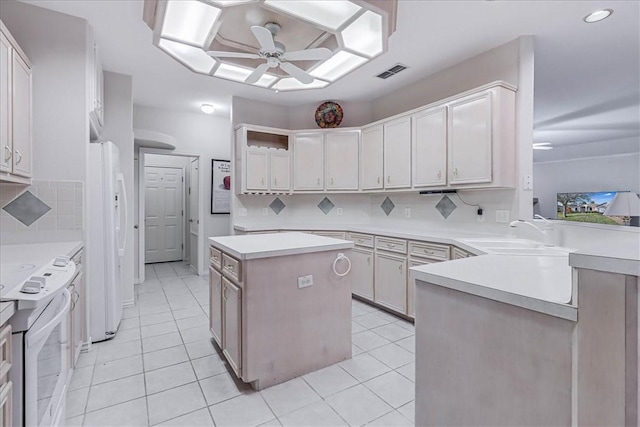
122 244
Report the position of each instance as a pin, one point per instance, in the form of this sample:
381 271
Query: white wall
607 173
354 114
56 46
195 133
118 128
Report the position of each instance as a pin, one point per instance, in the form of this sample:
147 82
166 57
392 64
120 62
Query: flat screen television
590 207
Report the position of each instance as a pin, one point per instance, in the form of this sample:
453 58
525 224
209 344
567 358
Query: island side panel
290 331
482 362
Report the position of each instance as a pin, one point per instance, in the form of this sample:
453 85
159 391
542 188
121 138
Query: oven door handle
46 329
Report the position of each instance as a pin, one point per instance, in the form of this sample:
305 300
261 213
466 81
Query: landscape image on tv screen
587 207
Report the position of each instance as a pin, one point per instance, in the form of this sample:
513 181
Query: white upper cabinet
341 149
257 164
397 153
429 155
470 142
262 160
372 158
308 161
15 111
279 168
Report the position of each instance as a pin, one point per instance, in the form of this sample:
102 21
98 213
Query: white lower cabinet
390 284
362 272
232 324
411 288
215 305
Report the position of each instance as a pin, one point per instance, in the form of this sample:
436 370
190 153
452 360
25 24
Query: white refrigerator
107 234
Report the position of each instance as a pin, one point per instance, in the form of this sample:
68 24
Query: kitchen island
280 304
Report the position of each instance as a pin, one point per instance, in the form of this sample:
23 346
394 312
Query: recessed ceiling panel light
598 15
192 57
338 65
207 108
225 3
189 21
542 146
240 74
330 14
364 35
289 83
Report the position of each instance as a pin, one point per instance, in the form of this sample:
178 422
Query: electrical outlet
242 211
339 211
407 212
502 216
265 211
527 183
305 281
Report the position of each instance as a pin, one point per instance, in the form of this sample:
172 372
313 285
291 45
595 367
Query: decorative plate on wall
329 115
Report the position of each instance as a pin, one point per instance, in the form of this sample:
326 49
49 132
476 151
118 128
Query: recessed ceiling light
208 108
598 15
542 146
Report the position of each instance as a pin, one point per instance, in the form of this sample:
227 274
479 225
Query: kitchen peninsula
280 304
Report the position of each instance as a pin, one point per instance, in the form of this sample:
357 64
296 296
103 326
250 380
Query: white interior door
164 215
193 213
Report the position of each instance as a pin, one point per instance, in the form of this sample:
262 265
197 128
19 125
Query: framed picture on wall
220 186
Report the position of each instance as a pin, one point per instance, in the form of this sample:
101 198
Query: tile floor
162 369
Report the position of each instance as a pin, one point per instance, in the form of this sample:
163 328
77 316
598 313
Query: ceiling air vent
392 71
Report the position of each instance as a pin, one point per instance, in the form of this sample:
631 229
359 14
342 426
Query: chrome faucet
547 232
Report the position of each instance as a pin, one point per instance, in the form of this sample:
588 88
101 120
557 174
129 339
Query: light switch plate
407 212
527 183
339 211
305 281
502 216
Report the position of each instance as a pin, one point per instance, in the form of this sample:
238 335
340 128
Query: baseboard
128 303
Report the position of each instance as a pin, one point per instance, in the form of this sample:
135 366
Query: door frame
142 152
183 203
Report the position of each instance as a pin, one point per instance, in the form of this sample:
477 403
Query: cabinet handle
369 260
428 252
224 292
218 283
318 181
275 181
439 174
19 159
400 268
229 267
7 152
455 173
332 182
388 179
391 245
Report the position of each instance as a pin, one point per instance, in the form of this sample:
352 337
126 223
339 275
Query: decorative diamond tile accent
387 206
27 208
445 206
326 205
277 205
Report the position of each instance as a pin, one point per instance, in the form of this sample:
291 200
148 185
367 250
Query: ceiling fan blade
309 54
255 76
223 54
296 73
264 37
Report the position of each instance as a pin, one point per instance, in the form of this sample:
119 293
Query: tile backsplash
65 198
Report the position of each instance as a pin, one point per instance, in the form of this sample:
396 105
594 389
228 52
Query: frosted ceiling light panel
290 83
189 21
338 65
329 14
192 57
364 35
225 3
240 74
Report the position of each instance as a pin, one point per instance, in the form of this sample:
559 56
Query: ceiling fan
276 55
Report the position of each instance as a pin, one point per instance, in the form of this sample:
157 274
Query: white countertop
618 259
265 246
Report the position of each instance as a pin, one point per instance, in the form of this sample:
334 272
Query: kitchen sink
515 247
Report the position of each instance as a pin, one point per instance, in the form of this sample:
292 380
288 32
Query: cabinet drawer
6 418
392 245
457 253
231 267
215 257
429 250
5 352
361 239
334 234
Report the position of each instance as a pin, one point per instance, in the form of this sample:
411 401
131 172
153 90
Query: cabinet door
256 170
390 286
429 147
397 153
232 325
470 140
215 305
6 405
21 116
341 161
372 160
362 273
308 162
5 105
279 170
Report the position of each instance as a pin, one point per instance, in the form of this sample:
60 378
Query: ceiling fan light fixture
364 35
240 74
337 66
329 14
189 21
290 83
192 57
597 16
208 108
